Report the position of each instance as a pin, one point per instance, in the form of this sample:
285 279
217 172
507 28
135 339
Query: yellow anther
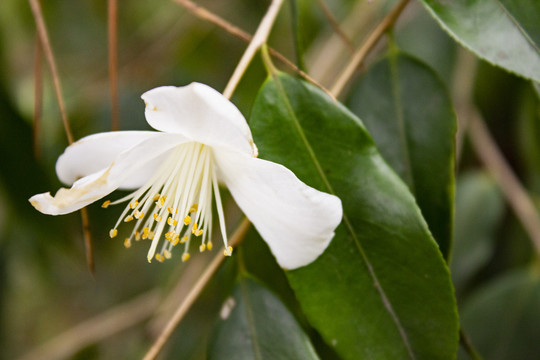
198 232
185 257
151 235
193 208
184 239
187 220
137 235
128 218
146 232
169 235
159 257
157 217
172 211
106 204
113 233
127 243
161 201
175 240
172 221
138 214
228 251
167 254
133 204
154 108
202 247
156 197
194 228
209 245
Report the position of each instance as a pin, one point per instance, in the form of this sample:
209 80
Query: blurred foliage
46 286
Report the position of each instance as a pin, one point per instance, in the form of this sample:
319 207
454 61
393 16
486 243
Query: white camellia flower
202 139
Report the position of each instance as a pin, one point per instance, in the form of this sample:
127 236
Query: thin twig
462 93
370 42
44 37
88 241
113 62
206 15
97 328
190 298
470 121
515 193
259 38
38 96
467 345
360 19
335 25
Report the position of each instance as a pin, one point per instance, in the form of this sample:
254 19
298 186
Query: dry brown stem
206 15
44 37
194 293
335 25
370 42
113 62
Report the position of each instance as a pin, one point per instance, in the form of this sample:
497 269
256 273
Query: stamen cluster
175 202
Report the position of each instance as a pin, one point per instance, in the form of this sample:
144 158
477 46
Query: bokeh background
48 297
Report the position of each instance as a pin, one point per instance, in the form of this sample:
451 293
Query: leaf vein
518 25
251 321
386 302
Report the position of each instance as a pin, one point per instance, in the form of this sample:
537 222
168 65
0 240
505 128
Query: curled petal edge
296 220
101 183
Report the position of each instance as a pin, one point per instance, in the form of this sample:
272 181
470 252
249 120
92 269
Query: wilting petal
200 113
295 220
83 192
96 152
129 167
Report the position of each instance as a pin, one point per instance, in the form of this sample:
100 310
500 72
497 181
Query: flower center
175 202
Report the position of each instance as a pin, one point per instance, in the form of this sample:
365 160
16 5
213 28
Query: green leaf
502 319
503 32
255 324
381 290
407 110
479 209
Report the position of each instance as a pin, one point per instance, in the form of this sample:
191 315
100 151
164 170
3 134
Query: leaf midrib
518 25
384 299
250 321
400 119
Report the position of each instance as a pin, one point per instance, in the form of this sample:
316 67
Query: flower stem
205 14
193 294
260 37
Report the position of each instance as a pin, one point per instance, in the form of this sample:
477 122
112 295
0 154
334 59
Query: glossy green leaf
502 319
255 324
505 33
407 110
479 209
381 290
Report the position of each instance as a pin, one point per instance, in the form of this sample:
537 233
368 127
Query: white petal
96 152
200 113
295 220
128 165
83 192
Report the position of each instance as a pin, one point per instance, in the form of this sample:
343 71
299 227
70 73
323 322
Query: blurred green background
46 287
